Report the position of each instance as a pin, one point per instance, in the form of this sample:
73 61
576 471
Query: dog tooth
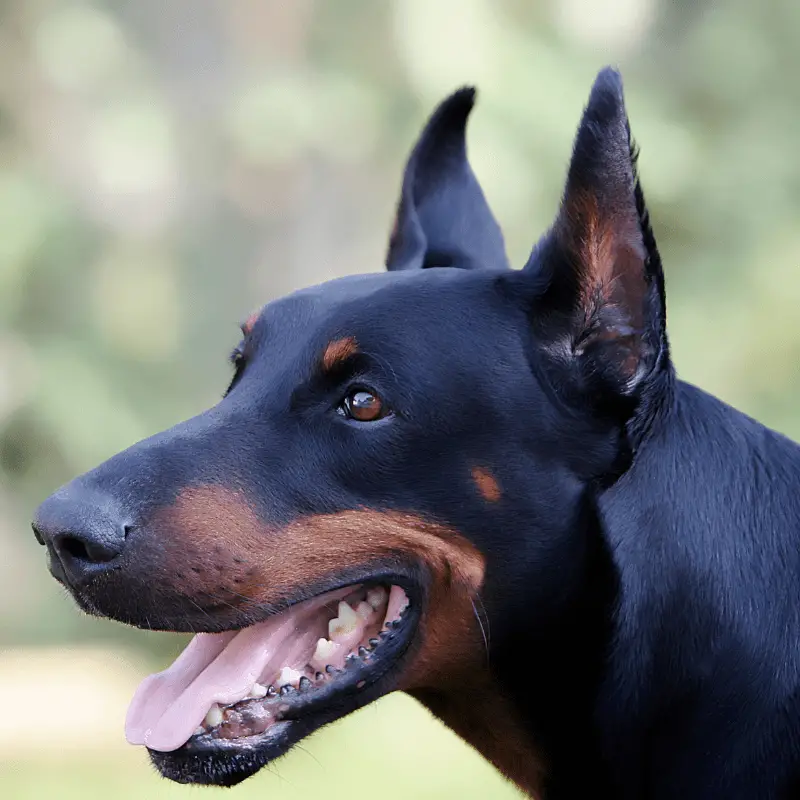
345 623
305 684
287 676
377 597
373 643
365 610
214 716
324 650
346 612
257 691
271 691
287 689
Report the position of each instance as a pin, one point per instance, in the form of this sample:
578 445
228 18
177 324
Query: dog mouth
233 701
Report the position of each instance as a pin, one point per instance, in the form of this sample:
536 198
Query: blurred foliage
166 167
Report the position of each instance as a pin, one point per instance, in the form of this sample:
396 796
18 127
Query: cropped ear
443 219
603 307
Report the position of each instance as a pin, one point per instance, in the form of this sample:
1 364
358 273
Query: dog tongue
214 668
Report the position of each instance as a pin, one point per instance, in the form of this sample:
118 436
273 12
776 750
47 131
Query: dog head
397 483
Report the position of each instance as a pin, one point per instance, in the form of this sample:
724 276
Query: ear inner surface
605 271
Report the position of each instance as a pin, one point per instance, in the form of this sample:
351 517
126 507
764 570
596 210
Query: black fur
643 560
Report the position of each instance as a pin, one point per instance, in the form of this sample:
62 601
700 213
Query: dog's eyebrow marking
487 484
338 351
249 323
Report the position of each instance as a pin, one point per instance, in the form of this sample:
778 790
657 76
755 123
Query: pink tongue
221 668
214 668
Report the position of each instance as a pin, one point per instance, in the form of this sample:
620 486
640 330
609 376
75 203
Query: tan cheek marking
207 538
486 484
337 351
216 531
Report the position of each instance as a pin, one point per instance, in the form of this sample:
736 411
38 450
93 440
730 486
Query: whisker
310 755
202 610
486 618
484 633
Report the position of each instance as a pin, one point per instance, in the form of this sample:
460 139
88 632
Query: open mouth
233 701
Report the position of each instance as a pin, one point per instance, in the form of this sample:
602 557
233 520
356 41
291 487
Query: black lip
159 609
208 760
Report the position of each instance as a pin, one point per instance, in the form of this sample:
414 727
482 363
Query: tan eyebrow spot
337 351
487 484
247 325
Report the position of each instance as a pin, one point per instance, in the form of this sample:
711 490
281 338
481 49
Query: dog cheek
207 546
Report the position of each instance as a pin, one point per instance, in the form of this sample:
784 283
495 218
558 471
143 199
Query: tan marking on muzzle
216 531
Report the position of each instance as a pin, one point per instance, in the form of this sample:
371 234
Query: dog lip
194 618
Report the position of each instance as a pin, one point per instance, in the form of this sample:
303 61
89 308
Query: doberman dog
480 485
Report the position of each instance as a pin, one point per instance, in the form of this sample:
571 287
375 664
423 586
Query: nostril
80 549
73 546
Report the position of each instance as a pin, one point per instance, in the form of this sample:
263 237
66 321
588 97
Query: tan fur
213 537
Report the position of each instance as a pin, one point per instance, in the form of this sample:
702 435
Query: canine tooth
377 597
305 684
257 691
365 610
287 676
214 716
345 623
324 650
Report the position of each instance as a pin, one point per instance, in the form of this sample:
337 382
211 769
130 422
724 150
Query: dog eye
363 406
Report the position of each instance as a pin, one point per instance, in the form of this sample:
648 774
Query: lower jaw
229 762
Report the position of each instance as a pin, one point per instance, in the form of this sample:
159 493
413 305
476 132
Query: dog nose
83 533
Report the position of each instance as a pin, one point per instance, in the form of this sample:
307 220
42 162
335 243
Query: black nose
83 531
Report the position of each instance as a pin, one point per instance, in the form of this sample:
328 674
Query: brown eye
363 406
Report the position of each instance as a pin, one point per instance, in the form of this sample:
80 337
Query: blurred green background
166 167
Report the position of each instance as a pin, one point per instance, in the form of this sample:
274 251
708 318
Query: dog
483 486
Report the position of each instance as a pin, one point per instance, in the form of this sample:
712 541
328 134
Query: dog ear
600 301
443 218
